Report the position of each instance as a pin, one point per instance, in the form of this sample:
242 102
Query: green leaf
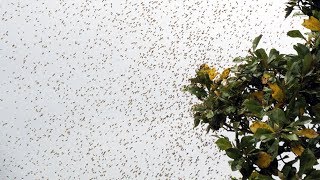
294 68
236 164
307 160
313 175
290 137
316 14
235 125
316 111
301 121
247 141
196 121
231 109
209 114
273 149
288 171
239 59
277 116
307 63
208 128
264 134
273 54
288 10
256 42
261 54
295 34
199 92
253 106
292 74
199 107
257 176
246 170
264 177
234 153
295 107
301 49
223 143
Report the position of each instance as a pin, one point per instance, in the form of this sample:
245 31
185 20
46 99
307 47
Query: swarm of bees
92 89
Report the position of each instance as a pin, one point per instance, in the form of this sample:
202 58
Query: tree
271 101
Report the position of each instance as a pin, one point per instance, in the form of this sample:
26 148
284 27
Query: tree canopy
271 101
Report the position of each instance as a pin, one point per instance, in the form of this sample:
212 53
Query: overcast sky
92 89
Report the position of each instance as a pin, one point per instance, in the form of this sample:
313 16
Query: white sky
92 89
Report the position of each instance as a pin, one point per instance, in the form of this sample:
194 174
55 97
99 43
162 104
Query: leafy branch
271 101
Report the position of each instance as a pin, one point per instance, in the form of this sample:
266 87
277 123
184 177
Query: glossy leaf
260 125
223 143
199 92
308 133
209 114
212 73
288 170
297 149
234 153
264 134
225 73
307 63
273 55
312 23
295 34
256 42
253 107
196 121
261 53
277 92
273 149
247 141
288 10
263 159
301 49
290 137
277 116
237 164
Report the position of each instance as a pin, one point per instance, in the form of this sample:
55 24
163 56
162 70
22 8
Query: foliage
271 101
307 7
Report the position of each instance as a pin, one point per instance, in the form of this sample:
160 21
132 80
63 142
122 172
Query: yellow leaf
277 92
301 111
312 23
278 105
281 175
260 125
254 175
309 133
225 73
264 159
212 73
204 67
217 93
213 87
265 78
258 95
298 150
